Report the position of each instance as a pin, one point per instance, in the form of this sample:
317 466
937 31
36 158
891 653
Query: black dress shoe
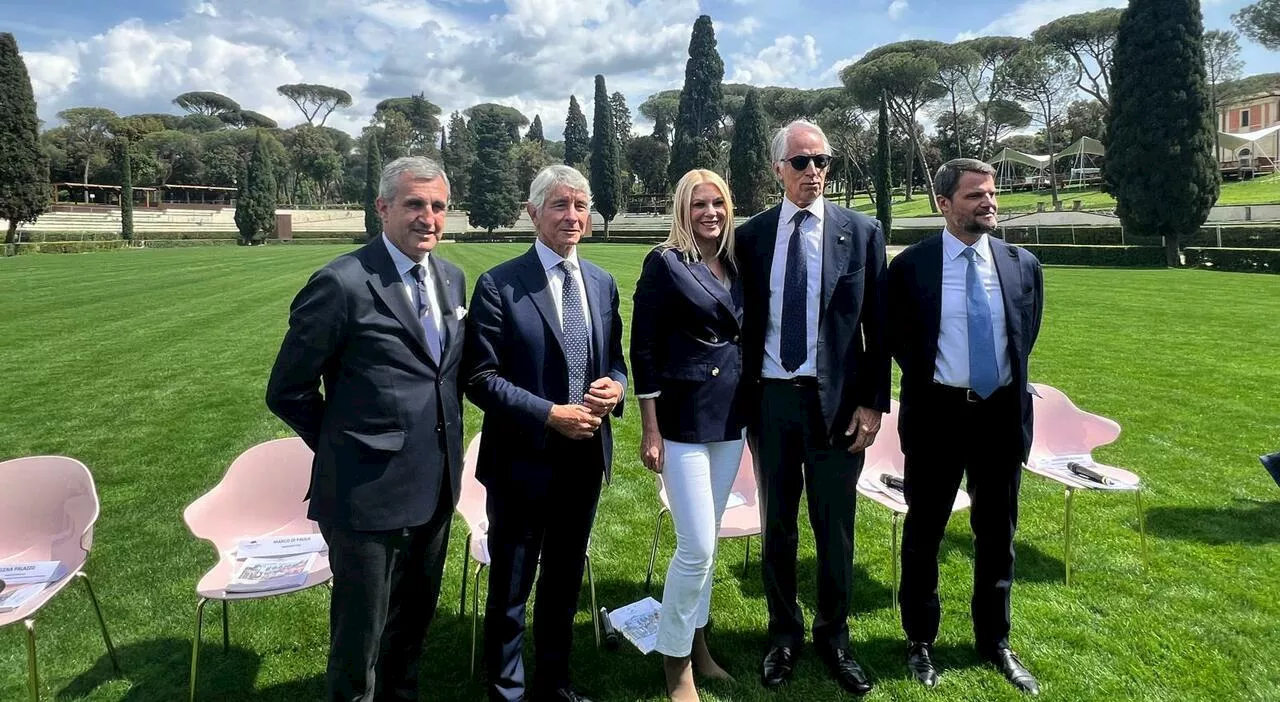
847 672
1006 661
920 663
562 694
779 664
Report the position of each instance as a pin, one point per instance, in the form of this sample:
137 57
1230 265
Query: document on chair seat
873 484
1060 466
271 573
638 622
280 545
31 572
735 500
14 596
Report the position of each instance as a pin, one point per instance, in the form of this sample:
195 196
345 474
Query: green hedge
184 236
1237 237
1242 260
328 235
42 237
1098 256
307 242
471 237
187 243
70 247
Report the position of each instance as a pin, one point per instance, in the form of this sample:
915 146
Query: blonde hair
682 238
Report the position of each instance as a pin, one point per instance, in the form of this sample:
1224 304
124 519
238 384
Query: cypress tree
884 172
698 117
495 201
606 176
126 192
1160 165
24 173
577 143
535 131
256 201
750 173
662 130
372 180
459 158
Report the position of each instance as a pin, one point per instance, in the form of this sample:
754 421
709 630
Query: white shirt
811 238
952 366
410 284
555 280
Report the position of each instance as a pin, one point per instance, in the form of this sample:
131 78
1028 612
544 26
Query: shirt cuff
648 395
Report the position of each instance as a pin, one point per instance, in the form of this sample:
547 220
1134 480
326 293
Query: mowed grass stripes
150 366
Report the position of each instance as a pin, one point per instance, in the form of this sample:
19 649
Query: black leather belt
799 381
967 394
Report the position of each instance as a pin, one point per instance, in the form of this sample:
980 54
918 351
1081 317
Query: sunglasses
801 162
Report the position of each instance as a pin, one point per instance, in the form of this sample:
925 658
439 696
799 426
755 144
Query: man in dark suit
382 328
816 378
964 314
544 362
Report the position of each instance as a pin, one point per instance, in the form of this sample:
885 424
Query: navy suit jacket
915 300
515 363
853 350
686 342
387 430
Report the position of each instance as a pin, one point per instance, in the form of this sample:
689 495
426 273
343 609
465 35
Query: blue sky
135 56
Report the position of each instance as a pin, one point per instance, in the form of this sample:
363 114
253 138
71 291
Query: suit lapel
596 293
702 273
930 281
836 242
387 284
534 278
768 241
445 294
1010 273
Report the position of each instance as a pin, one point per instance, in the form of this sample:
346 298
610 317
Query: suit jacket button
715 372
715 339
736 338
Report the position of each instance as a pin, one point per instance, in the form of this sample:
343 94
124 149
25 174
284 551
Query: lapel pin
840 240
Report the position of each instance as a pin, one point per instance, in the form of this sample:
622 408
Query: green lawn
1253 192
150 367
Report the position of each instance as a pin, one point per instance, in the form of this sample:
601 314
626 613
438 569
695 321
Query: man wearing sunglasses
815 382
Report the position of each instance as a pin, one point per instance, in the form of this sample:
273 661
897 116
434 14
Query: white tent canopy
1083 145
1255 140
1012 156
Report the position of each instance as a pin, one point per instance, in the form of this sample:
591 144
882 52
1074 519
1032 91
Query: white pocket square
459 312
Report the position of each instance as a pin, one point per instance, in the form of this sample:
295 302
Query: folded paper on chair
735 500
31 572
1079 470
272 573
14 596
871 483
280 545
638 622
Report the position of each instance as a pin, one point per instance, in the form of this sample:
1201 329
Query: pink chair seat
885 456
261 494
1062 429
740 519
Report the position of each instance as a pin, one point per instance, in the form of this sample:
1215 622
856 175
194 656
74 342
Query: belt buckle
971 396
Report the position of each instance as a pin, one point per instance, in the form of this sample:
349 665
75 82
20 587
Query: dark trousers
385 588
983 441
540 513
792 453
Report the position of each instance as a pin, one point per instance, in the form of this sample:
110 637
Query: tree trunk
1171 258
928 179
12 236
605 235
1053 170
86 178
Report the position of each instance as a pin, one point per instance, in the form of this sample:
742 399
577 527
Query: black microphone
1088 473
893 482
608 633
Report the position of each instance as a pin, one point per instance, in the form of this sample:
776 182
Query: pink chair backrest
745 483
263 491
48 505
471 503
885 454
1061 428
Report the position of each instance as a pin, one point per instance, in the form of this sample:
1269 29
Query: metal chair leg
466 563
653 552
33 671
111 650
893 557
475 615
595 612
1066 530
746 560
226 629
195 645
1142 528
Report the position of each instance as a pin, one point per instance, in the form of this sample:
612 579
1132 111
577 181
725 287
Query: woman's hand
651 454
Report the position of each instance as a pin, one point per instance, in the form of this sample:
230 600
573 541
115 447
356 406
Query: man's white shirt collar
817 209
403 262
952 247
550 259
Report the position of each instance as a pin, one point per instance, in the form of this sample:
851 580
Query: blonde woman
686 359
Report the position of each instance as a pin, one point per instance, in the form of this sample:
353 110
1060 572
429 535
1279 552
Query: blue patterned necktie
984 375
577 344
429 329
794 338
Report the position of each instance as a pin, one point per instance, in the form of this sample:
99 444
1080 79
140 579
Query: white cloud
788 61
897 8
743 27
1029 15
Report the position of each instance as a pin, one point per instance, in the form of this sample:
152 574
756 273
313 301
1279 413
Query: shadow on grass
1243 521
160 669
1032 565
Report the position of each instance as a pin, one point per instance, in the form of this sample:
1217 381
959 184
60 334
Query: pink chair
885 456
48 506
741 520
261 494
1061 429
471 507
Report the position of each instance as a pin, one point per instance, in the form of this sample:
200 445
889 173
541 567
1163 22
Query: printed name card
284 545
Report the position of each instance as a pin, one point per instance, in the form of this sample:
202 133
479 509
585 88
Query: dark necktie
429 329
984 374
577 344
794 338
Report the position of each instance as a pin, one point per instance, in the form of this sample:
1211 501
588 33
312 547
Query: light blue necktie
984 374
434 342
